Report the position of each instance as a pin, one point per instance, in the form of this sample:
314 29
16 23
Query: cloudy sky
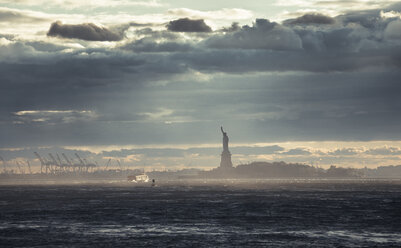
151 82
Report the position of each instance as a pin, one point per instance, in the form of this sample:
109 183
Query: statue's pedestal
226 160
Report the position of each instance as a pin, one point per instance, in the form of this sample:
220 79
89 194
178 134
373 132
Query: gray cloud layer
85 31
188 25
265 82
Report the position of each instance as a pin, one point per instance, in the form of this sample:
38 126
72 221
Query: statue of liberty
225 155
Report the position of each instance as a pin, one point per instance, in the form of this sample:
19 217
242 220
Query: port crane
108 163
21 170
42 162
81 161
68 161
29 167
54 164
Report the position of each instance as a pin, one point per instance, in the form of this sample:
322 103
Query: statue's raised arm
222 129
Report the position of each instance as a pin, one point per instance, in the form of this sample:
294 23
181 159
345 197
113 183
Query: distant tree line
282 170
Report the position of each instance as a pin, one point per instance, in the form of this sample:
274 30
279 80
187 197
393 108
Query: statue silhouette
225 140
225 162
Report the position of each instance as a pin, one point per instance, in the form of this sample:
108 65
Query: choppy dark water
276 214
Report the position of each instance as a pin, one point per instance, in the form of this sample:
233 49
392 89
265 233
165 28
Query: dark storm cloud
269 46
85 31
314 18
159 97
188 25
53 81
338 48
234 61
309 109
262 35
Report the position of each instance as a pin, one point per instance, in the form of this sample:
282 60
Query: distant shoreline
196 182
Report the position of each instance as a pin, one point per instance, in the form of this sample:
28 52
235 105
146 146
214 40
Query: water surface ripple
280 214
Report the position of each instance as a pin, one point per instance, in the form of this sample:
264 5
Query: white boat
138 178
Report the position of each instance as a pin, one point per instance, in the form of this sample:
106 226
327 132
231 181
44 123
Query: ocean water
271 213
